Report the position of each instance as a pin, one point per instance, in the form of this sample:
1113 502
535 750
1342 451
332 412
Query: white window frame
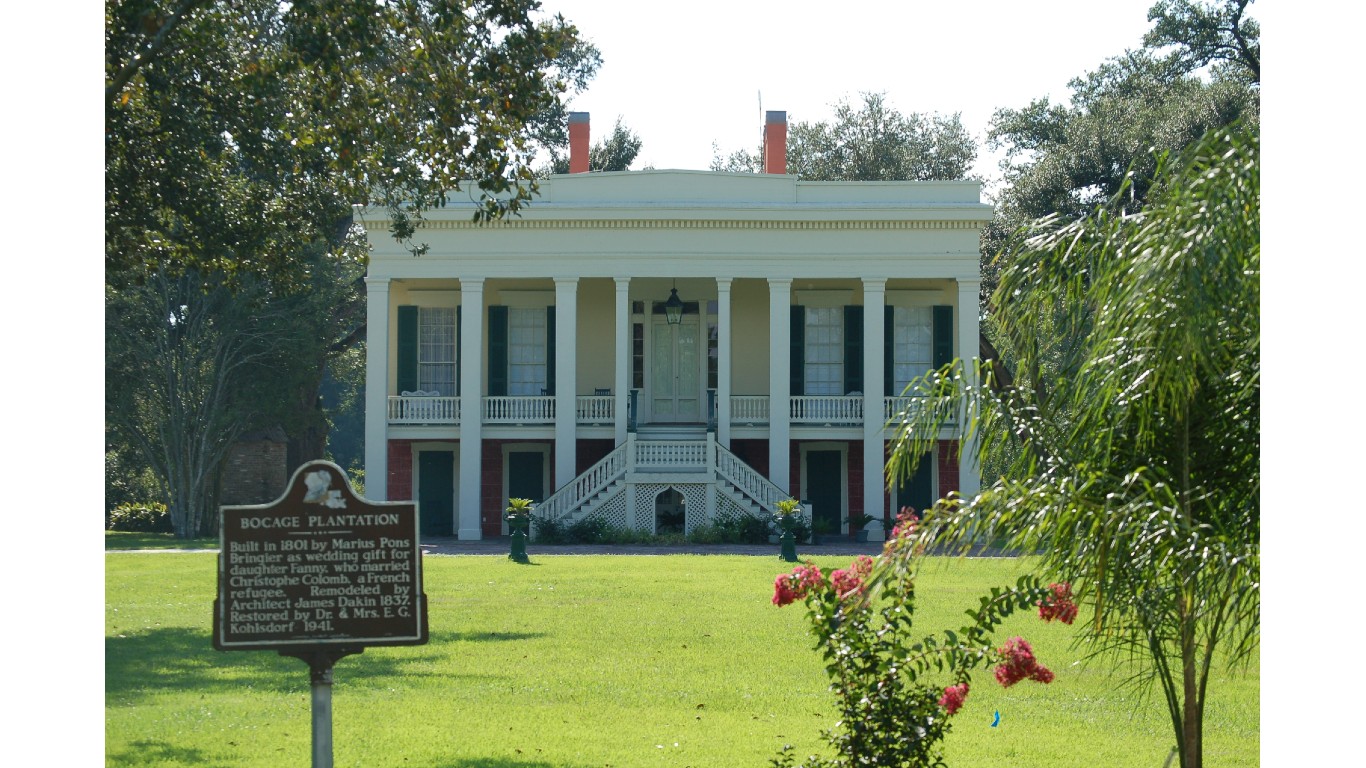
527 354
437 350
912 344
823 363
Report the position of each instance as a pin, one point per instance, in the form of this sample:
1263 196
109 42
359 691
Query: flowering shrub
861 617
1019 663
953 697
1057 604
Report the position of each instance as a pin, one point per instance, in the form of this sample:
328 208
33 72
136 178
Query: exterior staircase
621 487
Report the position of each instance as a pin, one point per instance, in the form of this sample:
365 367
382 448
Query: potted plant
787 515
862 526
519 525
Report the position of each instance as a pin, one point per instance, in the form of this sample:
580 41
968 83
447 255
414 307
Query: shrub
147 517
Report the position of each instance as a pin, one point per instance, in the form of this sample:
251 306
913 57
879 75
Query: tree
616 152
1202 35
1133 464
873 142
239 132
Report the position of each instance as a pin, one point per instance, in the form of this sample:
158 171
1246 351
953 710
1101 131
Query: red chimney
775 142
578 142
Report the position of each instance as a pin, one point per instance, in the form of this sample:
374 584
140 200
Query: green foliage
616 152
1202 34
1133 466
740 529
870 142
878 664
237 133
148 517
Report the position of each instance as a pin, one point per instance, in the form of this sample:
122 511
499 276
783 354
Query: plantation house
661 348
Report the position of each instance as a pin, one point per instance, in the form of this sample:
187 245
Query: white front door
675 382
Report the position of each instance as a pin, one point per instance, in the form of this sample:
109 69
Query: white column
969 470
566 377
471 405
377 388
874 480
622 382
723 361
779 383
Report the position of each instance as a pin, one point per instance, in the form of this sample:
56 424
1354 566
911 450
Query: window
824 363
526 351
436 350
913 344
638 355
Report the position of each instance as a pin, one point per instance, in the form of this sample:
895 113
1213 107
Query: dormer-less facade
664 348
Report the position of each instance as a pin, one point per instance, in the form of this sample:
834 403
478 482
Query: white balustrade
899 409
670 454
585 486
596 409
423 410
749 409
828 409
749 482
519 410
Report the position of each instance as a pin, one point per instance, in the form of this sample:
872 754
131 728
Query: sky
685 76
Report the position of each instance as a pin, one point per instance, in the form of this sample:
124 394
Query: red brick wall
948 467
491 501
400 485
254 472
752 452
590 452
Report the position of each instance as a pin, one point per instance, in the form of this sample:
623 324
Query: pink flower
1019 664
1058 605
849 581
790 587
906 521
953 697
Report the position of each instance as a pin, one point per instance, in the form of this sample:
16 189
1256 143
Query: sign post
319 574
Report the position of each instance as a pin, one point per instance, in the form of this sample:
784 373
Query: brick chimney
775 142
578 142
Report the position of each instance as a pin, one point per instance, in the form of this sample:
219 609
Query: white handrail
519 410
749 409
752 484
585 486
670 453
827 409
596 409
423 410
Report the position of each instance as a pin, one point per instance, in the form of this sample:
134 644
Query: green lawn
593 661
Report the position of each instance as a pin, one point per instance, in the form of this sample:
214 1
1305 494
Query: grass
590 661
125 540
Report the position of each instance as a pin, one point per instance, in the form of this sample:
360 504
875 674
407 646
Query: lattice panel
645 505
613 510
694 504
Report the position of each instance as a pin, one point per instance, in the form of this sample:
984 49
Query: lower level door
825 491
436 492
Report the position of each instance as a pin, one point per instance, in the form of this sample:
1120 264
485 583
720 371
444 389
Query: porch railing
596 409
573 494
818 409
749 409
423 410
749 482
519 410
681 455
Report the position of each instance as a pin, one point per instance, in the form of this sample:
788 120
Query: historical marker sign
319 567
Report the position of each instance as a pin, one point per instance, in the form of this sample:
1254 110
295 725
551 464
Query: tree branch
158 43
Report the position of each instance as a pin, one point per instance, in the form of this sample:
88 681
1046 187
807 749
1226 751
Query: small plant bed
595 530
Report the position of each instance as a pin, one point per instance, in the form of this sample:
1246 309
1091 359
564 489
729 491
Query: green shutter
943 336
853 348
498 351
407 348
888 349
457 349
798 355
550 350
